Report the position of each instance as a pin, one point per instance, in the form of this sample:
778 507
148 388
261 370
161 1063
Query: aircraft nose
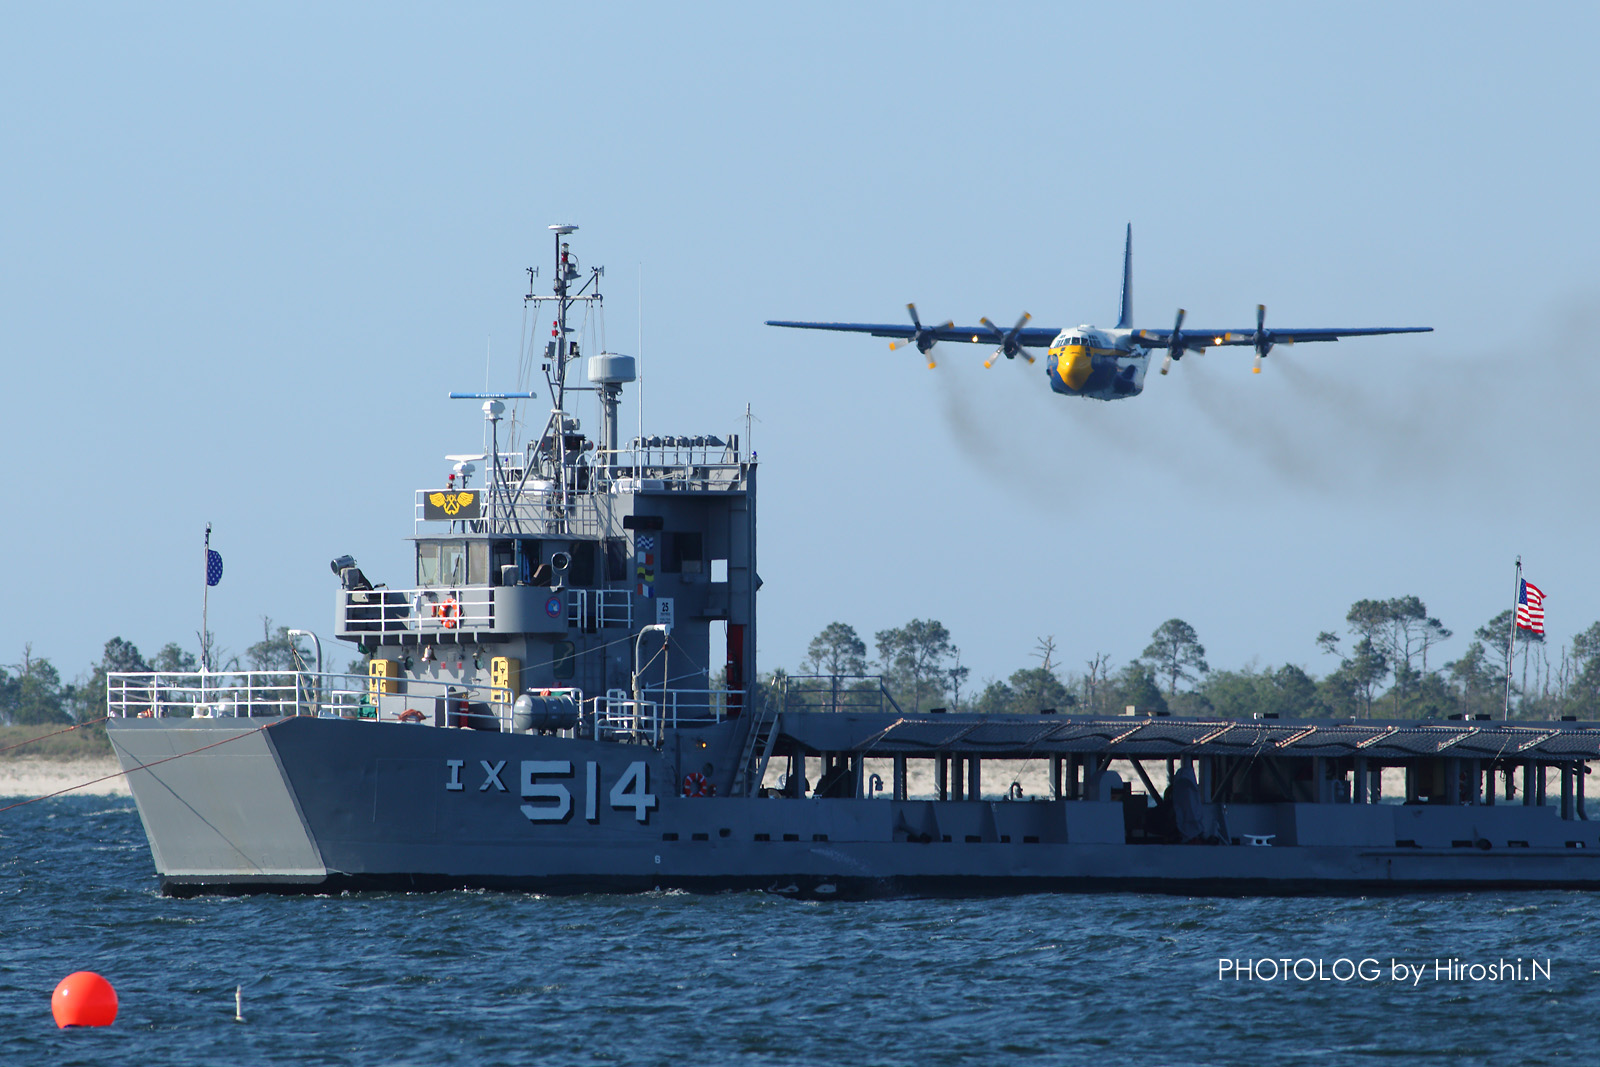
1074 364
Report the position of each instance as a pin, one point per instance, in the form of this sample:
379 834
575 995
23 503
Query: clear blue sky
248 251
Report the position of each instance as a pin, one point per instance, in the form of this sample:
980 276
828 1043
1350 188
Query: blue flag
213 567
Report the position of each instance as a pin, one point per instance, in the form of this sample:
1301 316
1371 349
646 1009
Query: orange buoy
84 999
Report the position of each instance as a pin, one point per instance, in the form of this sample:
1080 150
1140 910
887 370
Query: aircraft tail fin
1125 319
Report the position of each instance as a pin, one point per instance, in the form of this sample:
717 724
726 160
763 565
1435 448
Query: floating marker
84 999
238 1004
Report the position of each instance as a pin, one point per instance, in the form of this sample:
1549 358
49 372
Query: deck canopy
1019 737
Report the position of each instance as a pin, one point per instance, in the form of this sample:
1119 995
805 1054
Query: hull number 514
550 800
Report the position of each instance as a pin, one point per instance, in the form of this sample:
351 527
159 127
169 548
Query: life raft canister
696 784
448 611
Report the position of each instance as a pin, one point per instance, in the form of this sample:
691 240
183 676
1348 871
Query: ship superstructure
561 697
581 566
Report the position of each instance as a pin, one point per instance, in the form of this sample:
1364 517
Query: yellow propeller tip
931 364
1255 370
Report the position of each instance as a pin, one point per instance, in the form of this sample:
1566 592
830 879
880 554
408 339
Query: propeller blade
921 336
1257 368
1175 342
1263 338
1009 346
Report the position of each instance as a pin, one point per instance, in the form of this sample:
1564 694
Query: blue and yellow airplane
1103 364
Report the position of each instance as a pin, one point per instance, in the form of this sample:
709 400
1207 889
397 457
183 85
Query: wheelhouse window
451 563
563 660
581 573
681 553
502 554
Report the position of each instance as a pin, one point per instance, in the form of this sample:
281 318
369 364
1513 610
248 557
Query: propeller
923 337
1009 346
1175 346
1263 338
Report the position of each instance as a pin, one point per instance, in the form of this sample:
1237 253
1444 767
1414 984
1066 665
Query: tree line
1383 670
1388 665
32 691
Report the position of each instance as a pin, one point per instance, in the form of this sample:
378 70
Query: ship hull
309 805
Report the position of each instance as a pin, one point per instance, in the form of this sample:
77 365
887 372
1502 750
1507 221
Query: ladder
763 732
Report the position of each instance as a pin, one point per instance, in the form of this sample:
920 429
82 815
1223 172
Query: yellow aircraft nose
1073 364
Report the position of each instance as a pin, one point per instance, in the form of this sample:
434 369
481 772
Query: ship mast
559 352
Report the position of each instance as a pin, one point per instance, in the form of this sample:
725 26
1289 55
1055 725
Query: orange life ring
410 715
449 612
696 784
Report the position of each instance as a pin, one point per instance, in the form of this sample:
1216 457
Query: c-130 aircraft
1087 361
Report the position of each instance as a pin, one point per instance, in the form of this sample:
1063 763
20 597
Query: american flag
1530 608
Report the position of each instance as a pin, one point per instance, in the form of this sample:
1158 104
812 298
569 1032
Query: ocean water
488 978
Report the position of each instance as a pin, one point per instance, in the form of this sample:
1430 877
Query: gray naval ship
562 698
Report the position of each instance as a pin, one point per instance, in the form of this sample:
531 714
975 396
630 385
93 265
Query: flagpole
205 607
1511 638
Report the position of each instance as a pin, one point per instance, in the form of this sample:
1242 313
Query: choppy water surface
748 978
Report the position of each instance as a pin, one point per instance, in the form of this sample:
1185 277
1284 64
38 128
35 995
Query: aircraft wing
1028 337
1279 335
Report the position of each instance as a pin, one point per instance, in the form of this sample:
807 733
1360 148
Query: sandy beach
28 777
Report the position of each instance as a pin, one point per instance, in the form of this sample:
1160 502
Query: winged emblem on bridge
451 505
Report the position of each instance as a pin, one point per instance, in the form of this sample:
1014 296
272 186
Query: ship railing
228 694
837 692
591 609
538 504
429 610
255 694
618 717
537 508
669 454
448 613
631 475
